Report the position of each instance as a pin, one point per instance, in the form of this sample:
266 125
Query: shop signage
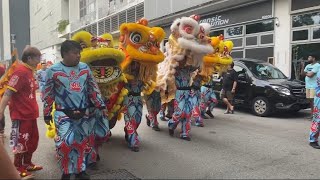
253 12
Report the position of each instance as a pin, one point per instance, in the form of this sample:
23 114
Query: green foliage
62 24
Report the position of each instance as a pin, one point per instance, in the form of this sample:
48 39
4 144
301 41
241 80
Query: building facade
44 18
15 23
281 32
103 16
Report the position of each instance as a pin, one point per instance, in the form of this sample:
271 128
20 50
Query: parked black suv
265 89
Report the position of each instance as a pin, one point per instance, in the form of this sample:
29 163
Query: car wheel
261 106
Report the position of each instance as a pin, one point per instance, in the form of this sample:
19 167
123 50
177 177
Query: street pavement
238 145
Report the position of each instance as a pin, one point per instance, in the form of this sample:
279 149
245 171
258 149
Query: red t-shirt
23 104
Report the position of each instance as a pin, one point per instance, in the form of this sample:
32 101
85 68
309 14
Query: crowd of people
85 99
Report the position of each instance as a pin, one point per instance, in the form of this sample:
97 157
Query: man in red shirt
24 111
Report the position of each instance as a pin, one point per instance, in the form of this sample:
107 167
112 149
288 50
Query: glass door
300 54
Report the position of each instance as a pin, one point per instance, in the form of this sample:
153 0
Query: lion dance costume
104 61
216 62
141 45
72 90
187 46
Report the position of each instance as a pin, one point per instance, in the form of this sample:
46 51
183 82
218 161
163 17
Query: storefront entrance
300 53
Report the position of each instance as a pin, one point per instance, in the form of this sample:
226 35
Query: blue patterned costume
153 103
195 96
133 111
208 98
41 78
182 103
71 89
98 134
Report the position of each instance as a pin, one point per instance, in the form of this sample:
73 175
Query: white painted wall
74 12
282 52
6 29
44 16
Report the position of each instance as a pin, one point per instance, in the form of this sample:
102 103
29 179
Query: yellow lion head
221 58
141 43
103 59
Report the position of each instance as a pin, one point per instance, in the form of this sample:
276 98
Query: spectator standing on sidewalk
310 73
315 125
229 85
41 78
24 111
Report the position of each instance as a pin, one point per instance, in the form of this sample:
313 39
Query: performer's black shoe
171 132
66 176
314 145
210 114
148 120
98 157
187 138
156 128
135 149
83 176
126 137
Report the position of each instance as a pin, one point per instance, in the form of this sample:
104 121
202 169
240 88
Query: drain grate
113 174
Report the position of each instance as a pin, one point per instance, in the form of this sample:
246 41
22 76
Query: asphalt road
229 146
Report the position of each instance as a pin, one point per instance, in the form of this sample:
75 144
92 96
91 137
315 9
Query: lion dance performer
162 71
197 78
186 57
104 61
141 45
70 85
216 62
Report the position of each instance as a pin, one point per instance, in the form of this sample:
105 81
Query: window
252 41
237 42
300 54
83 9
241 72
266 39
237 54
217 33
298 4
259 53
300 35
238 69
265 71
87 7
234 31
316 33
306 19
260 27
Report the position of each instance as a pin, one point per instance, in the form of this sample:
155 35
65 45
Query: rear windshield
265 70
